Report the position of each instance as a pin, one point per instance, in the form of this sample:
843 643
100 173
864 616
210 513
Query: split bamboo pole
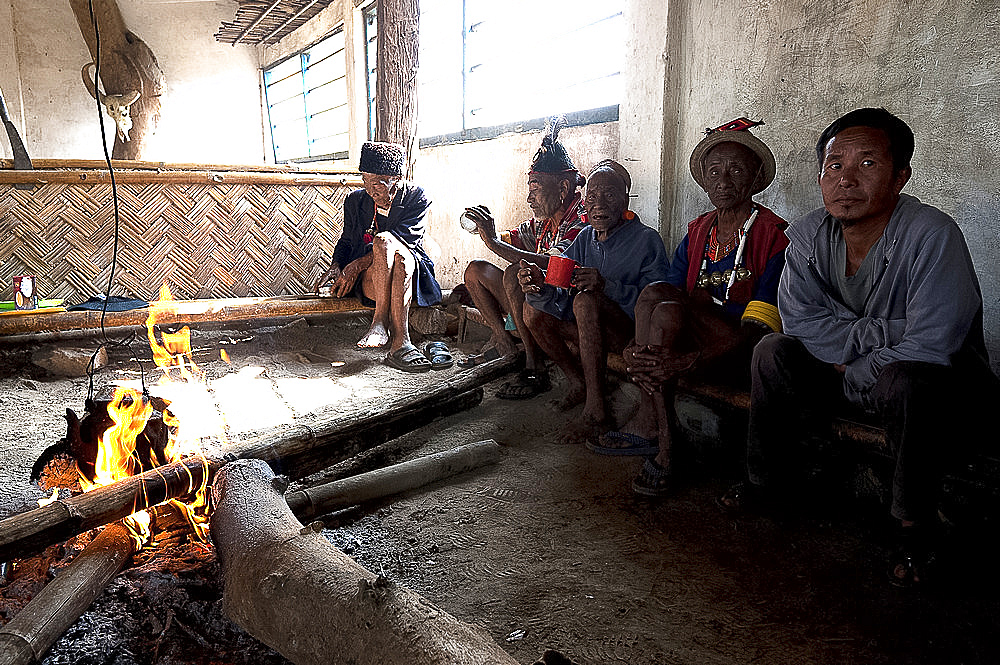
26 637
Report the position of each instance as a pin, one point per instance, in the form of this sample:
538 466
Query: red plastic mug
560 271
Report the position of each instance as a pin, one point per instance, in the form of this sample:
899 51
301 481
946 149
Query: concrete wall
690 64
799 65
493 173
211 109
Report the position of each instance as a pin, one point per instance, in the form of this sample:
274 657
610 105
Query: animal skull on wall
117 105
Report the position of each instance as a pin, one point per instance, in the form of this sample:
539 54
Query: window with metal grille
371 42
307 103
485 63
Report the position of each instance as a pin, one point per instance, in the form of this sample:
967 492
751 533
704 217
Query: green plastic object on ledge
7 305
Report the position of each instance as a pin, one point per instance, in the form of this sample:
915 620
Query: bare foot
641 425
574 395
580 429
376 336
506 345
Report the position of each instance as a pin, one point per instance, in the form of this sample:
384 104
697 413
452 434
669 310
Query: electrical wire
127 341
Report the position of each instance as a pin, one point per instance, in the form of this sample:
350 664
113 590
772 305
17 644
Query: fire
49 499
120 454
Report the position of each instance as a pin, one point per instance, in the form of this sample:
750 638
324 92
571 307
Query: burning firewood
295 452
297 593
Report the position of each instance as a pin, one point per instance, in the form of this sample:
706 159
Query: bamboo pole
327 497
26 637
296 452
101 177
135 165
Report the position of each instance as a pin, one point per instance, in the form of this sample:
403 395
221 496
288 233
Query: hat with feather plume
552 156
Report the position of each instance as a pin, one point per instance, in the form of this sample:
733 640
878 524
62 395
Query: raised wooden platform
973 485
176 312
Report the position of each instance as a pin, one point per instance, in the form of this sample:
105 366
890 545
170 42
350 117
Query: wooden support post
26 637
322 499
295 453
397 59
290 588
126 64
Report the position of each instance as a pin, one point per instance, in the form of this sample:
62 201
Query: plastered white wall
493 173
211 102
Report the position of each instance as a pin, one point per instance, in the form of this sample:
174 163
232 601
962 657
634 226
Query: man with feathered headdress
555 200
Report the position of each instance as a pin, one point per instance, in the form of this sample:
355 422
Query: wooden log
55 608
327 497
290 588
296 452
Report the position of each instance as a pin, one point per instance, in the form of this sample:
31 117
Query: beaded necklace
738 272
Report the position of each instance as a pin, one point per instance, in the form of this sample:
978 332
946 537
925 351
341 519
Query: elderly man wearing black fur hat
380 257
555 200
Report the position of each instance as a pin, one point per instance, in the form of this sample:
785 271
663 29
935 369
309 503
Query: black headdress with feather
552 156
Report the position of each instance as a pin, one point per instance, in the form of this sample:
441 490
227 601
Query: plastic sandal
438 354
623 443
408 359
529 383
653 480
486 356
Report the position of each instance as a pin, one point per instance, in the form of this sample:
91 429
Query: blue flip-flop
624 443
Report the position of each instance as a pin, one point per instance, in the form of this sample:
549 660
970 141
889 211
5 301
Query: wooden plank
177 313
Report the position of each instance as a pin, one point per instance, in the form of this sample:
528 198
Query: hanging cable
127 341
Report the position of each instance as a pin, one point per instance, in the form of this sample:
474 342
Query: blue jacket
406 221
925 304
632 257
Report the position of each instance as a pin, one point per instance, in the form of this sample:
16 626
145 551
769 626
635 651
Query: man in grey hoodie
882 313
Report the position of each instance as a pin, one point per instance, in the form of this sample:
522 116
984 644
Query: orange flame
130 411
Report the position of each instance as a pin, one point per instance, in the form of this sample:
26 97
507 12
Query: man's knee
657 292
476 271
587 305
771 353
906 380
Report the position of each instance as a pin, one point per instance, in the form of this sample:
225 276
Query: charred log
27 637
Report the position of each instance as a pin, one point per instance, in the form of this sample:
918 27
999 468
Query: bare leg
659 322
551 335
601 324
515 296
375 285
485 283
392 271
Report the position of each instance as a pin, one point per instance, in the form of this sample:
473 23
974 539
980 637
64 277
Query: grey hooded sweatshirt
925 303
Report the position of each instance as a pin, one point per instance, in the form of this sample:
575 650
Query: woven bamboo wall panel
204 240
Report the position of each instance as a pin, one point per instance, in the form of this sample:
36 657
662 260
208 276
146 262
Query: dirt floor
547 549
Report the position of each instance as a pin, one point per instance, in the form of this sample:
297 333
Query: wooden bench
972 487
